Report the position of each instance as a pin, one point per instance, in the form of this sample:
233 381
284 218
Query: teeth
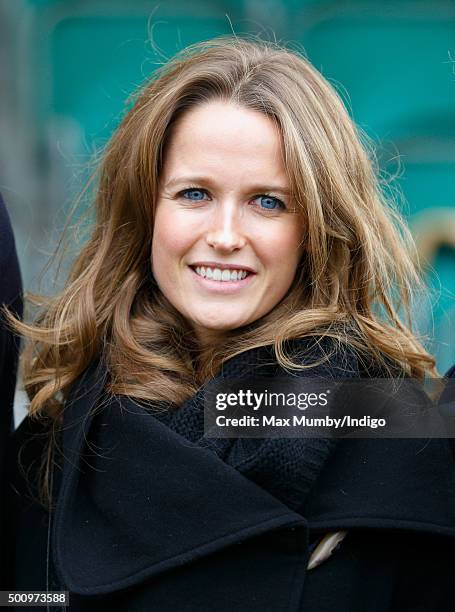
221 275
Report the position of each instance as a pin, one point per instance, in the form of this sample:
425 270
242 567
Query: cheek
282 251
170 240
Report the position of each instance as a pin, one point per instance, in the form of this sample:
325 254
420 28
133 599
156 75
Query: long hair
353 283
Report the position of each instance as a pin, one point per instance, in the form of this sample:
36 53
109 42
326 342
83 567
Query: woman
239 231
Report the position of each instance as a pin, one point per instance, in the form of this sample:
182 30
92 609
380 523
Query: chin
220 324
221 327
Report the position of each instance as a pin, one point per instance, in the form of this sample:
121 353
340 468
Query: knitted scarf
285 467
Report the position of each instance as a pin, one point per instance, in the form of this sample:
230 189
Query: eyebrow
207 181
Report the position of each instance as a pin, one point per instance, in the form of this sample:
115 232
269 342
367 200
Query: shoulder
318 356
341 357
330 357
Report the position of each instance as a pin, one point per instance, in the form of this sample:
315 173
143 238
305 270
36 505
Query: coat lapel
136 499
386 483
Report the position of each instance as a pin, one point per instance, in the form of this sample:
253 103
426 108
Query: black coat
10 296
145 520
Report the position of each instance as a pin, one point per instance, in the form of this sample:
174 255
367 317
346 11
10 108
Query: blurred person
10 297
240 231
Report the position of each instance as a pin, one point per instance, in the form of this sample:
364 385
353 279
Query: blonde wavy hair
354 281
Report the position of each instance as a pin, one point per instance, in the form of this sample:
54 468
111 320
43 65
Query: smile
217 274
221 281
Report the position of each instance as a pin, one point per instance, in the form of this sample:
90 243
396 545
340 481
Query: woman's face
226 242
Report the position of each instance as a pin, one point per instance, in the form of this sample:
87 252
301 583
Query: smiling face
226 242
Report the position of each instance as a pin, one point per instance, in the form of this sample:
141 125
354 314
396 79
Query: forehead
223 137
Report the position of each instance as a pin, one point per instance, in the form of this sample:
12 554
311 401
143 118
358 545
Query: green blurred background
67 68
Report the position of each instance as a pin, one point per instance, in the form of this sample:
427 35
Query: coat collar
137 499
386 483
129 511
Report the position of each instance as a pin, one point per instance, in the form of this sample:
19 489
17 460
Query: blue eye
196 195
270 203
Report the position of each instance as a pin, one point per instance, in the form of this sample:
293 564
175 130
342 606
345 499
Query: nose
226 232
